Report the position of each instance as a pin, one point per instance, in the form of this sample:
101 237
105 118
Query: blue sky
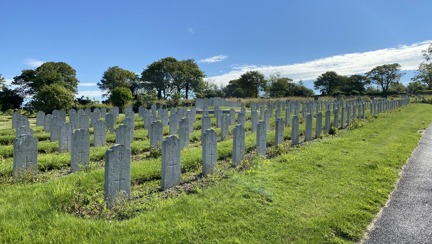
298 39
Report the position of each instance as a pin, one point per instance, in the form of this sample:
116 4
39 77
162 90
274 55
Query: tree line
53 85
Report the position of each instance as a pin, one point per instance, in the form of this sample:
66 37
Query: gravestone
95 117
62 115
327 122
280 127
22 121
47 124
84 122
173 124
241 119
308 132
80 149
318 127
15 117
25 154
117 184
218 116
238 144
205 111
65 142
261 138
232 116
56 123
191 120
170 162
295 130
103 112
165 118
224 127
40 118
348 117
288 116
254 120
130 124
205 125
184 133
267 116
336 118
23 130
209 152
156 132
109 121
99 138
123 136
73 119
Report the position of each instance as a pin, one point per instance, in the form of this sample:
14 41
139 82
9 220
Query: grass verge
326 191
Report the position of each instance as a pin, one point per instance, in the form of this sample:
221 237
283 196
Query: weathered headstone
336 118
238 144
56 123
280 127
109 121
241 118
205 125
24 130
308 132
156 132
295 130
65 142
327 122
80 149
318 127
209 152
184 133
288 116
254 120
99 137
103 112
25 154
47 124
84 122
261 138
123 136
130 124
224 127
173 124
267 116
40 118
170 162
232 116
117 183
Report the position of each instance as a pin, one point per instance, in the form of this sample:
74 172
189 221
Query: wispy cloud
213 59
191 30
408 56
34 63
8 82
91 94
87 84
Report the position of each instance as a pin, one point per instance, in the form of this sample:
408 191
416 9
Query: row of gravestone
117 167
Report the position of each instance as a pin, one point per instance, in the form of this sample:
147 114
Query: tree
424 72
2 81
53 96
278 86
234 89
252 82
354 85
192 77
209 90
10 99
385 75
416 87
30 81
329 83
120 96
115 77
159 76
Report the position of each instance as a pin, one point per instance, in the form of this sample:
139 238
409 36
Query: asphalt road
407 218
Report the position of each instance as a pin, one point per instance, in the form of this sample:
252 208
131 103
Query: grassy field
326 191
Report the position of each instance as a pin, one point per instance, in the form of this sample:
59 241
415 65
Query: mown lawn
326 191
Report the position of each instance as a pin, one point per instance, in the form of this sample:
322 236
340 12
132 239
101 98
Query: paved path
408 216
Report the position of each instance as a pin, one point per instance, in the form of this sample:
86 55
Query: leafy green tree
329 83
30 81
159 76
2 81
234 89
354 84
424 71
278 86
416 87
10 99
210 90
252 82
120 96
192 77
115 77
397 87
53 96
385 75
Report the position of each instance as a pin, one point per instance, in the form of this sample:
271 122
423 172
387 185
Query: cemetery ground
325 191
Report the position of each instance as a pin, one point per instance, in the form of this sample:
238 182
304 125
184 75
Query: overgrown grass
326 191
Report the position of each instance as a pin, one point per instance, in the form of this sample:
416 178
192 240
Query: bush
54 96
120 97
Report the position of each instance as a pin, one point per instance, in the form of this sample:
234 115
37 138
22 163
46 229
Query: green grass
326 191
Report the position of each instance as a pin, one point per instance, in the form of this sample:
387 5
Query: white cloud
91 94
8 81
408 56
87 84
213 59
34 63
191 30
